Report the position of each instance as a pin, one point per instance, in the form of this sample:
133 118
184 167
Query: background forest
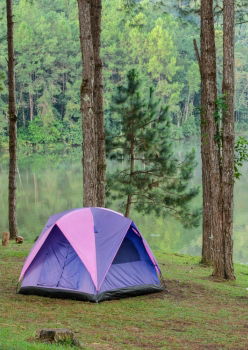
158 44
167 158
156 41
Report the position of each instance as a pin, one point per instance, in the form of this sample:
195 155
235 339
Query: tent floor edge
131 291
57 293
104 296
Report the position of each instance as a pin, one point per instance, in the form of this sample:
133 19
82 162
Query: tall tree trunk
31 107
87 106
212 220
129 197
186 108
223 267
96 8
23 118
12 123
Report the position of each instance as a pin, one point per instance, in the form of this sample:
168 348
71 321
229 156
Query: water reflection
51 183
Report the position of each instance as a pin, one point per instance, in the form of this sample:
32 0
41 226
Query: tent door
61 268
72 271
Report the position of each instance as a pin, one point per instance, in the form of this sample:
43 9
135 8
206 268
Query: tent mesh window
126 253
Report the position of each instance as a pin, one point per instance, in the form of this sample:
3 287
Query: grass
195 313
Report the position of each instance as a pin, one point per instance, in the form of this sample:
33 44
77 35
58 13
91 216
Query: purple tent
90 254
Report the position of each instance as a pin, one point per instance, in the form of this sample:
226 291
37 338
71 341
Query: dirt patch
181 290
160 295
133 330
101 346
242 298
138 343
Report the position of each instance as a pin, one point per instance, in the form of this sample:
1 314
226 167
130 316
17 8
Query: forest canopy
48 66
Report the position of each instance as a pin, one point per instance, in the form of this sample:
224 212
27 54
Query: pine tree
89 146
218 147
223 257
96 14
153 179
92 103
12 122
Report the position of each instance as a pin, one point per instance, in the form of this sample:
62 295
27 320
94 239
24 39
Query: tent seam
113 259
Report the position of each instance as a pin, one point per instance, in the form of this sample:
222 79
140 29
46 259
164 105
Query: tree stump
58 335
19 239
5 238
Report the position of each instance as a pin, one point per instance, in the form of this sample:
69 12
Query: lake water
51 183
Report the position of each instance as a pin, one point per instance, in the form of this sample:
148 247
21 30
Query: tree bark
23 118
87 106
132 160
12 123
131 172
5 239
96 8
31 107
128 205
223 267
212 219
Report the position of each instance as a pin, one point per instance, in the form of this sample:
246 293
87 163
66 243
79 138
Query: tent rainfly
92 254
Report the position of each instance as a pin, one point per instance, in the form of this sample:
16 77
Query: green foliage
218 115
150 174
145 35
54 131
241 144
38 133
48 67
189 127
189 10
241 155
1 81
3 116
48 60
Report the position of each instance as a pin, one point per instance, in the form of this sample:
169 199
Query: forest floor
194 313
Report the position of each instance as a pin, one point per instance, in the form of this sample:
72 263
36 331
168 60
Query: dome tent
90 254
